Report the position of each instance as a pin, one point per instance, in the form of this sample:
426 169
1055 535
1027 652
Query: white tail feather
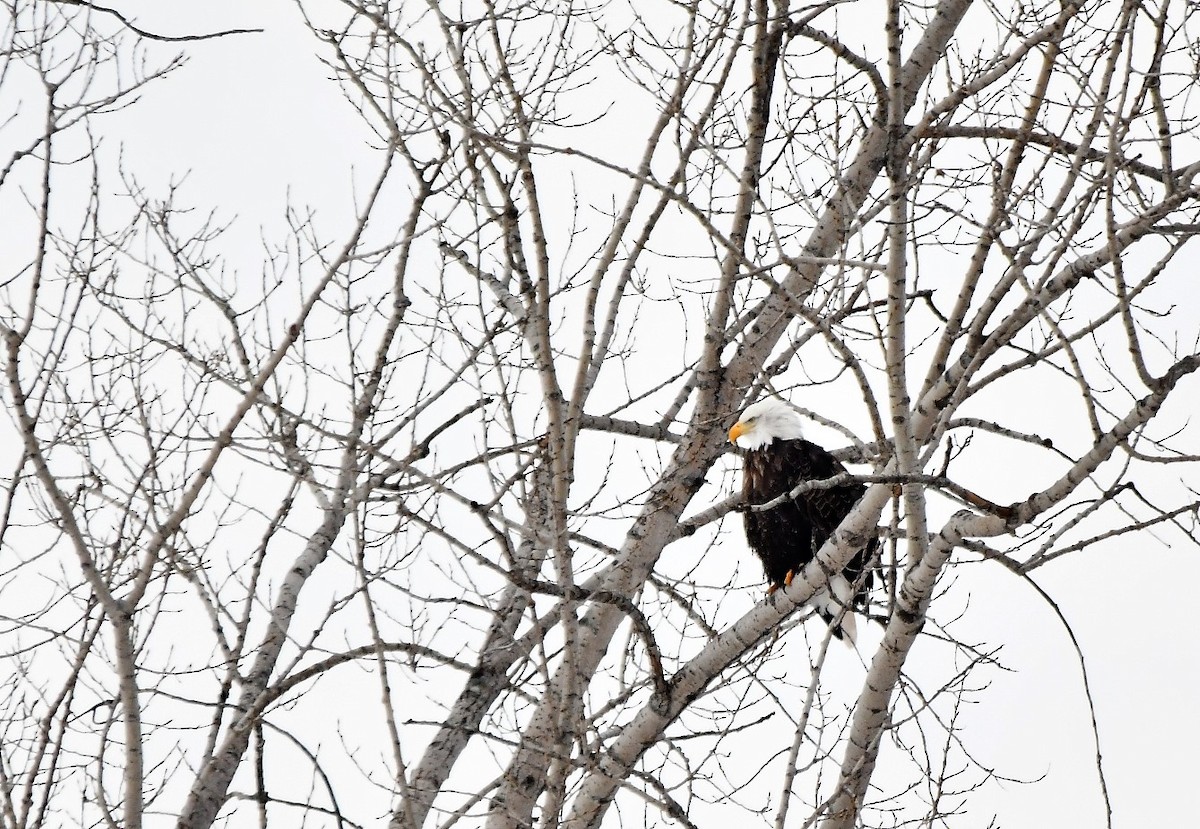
849 629
840 607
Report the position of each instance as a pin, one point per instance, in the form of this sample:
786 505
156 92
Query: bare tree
427 515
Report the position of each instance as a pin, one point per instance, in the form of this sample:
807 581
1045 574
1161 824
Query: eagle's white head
763 422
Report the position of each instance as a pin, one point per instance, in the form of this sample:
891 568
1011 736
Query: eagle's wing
782 536
827 508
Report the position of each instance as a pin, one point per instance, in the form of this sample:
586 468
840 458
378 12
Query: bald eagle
787 536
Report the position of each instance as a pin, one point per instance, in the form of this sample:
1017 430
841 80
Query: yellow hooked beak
737 431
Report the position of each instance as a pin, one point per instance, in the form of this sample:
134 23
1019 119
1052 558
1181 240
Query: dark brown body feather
787 536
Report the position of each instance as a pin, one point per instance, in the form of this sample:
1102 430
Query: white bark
872 711
646 729
536 265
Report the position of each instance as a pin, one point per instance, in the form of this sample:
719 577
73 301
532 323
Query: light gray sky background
252 124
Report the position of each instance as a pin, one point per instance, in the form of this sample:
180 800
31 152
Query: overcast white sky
255 125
